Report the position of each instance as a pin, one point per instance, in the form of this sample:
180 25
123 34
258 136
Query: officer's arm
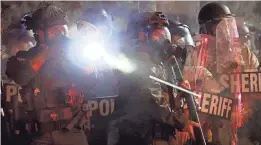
249 58
159 94
146 69
24 65
192 57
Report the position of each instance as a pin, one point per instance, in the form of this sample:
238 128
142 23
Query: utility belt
48 115
54 114
51 126
49 119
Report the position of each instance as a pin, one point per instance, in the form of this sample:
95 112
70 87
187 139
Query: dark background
12 11
186 11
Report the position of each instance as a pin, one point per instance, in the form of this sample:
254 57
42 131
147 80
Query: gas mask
160 44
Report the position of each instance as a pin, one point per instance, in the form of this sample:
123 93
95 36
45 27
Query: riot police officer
147 100
107 78
219 53
182 46
208 19
50 85
17 39
257 38
248 39
182 41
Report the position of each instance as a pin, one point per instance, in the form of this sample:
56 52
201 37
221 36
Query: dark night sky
12 11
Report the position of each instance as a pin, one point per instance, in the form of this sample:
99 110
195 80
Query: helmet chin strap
46 38
203 29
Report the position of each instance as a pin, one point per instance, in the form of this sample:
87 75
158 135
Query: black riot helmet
97 17
43 18
210 15
248 36
242 28
243 31
48 16
182 41
149 32
181 34
142 22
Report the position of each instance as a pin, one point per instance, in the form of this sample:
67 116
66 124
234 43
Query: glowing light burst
119 62
91 49
94 52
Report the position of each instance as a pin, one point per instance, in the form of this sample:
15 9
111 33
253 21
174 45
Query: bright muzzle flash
93 51
174 86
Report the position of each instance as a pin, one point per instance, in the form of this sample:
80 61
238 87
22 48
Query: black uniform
145 104
46 91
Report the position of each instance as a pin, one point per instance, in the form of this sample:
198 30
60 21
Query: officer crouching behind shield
50 81
148 119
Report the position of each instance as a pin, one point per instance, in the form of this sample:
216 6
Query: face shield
182 42
228 52
102 23
160 35
181 37
220 53
245 36
160 43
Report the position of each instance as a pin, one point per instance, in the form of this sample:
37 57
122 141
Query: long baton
200 140
196 118
174 86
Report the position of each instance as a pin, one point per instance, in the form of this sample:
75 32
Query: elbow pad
19 70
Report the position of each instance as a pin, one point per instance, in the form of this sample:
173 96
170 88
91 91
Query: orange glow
75 96
72 94
175 38
204 47
36 63
157 34
53 116
36 67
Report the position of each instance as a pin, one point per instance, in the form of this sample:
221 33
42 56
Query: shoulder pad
27 54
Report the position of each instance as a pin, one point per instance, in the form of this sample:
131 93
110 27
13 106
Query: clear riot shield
229 60
215 56
228 53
